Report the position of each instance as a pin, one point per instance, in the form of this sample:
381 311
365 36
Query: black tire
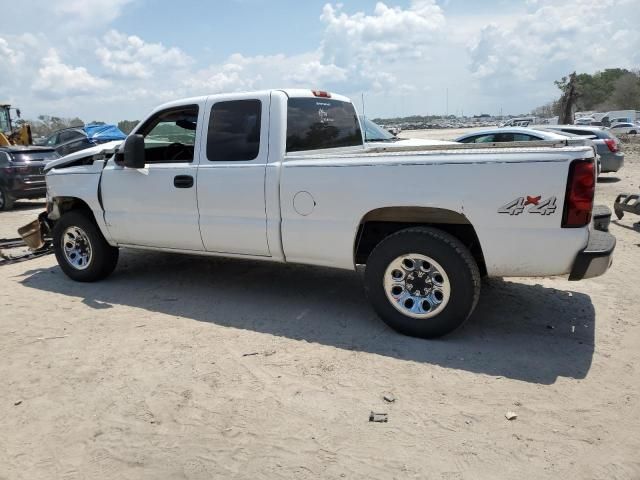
455 259
633 132
103 258
6 200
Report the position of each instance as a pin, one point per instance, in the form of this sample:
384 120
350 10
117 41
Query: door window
170 136
234 131
69 135
489 138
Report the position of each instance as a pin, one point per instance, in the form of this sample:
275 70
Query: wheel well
63 205
379 224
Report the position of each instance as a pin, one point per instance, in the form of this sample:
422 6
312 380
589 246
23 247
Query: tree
45 125
569 99
626 93
610 89
127 125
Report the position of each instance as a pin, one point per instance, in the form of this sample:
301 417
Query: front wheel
422 282
81 250
6 200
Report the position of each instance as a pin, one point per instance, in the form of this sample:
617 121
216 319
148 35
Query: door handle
183 181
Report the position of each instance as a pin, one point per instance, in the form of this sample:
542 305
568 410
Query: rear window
19 157
603 134
317 123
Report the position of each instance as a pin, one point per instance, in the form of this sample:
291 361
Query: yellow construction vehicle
8 136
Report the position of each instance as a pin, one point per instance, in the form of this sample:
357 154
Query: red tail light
611 143
321 93
578 201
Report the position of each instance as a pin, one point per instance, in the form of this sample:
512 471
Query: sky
121 58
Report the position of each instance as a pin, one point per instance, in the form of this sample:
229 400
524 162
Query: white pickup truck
284 176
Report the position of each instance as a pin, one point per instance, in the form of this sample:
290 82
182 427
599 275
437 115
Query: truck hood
102 149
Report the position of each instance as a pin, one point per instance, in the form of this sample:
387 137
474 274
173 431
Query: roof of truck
290 92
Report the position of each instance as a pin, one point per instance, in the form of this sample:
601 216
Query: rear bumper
611 162
20 188
596 258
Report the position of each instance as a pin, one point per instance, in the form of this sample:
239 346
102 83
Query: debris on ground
18 402
511 415
266 353
388 397
378 417
13 250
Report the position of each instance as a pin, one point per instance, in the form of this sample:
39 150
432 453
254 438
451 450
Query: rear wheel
81 250
422 282
6 200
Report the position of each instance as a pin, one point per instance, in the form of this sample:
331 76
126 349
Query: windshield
374 132
4 120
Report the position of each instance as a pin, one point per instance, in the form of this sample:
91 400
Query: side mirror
133 151
18 112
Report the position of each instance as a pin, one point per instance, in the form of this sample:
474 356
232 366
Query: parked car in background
584 121
619 116
625 128
376 136
522 134
75 139
509 134
518 122
607 144
21 173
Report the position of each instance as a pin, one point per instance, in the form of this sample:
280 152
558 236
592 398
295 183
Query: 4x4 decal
537 205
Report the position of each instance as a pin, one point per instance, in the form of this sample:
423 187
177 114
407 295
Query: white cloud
9 58
553 39
84 15
130 56
403 58
390 32
367 47
56 79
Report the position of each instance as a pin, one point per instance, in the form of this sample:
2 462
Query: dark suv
21 173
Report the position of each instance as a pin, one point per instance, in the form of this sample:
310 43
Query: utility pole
447 111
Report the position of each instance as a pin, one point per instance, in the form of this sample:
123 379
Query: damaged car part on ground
419 218
35 241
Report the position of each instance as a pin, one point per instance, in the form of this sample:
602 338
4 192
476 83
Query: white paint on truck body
246 209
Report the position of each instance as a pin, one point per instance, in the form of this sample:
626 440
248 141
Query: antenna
364 117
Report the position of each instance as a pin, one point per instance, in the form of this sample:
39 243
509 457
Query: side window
523 137
170 135
503 137
484 139
52 140
69 135
234 131
582 133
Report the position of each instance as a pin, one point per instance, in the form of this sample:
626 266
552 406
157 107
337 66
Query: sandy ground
185 367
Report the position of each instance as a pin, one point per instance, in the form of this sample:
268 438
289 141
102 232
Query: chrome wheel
77 248
417 286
